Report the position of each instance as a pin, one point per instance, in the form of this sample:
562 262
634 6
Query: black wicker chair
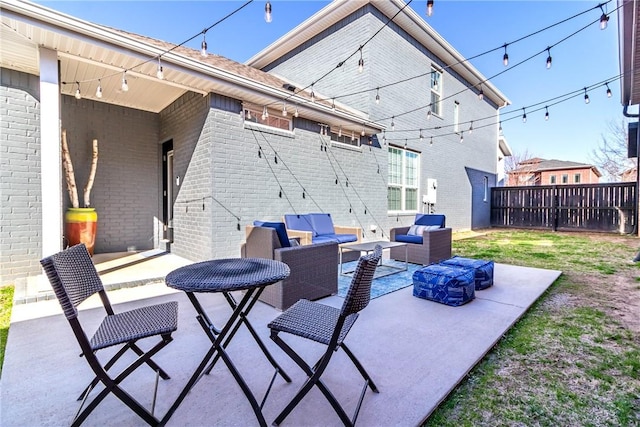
74 279
330 326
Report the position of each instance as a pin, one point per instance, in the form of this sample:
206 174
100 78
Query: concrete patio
417 351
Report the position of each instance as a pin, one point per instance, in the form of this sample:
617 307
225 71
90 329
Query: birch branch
92 175
68 172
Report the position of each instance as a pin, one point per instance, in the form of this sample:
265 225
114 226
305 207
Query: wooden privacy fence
590 207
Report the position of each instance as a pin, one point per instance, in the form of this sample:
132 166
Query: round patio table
250 275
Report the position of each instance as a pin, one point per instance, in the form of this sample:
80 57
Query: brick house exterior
539 171
226 169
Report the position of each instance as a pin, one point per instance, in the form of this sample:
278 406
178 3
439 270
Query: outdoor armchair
428 240
74 279
314 268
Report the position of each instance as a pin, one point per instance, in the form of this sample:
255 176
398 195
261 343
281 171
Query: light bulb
429 113
421 137
340 132
546 114
586 96
160 73
505 57
481 94
78 95
548 58
99 90
429 7
313 95
378 96
604 21
431 141
362 133
203 47
125 85
333 104
500 127
471 128
461 136
296 114
608 91
360 65
353 136
267 12
284 110
524 116
393 125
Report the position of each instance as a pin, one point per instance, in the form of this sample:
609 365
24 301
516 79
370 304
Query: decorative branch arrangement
70 176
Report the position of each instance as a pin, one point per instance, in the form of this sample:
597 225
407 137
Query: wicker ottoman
446 284
483 269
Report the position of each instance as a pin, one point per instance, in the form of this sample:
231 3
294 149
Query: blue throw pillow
281 230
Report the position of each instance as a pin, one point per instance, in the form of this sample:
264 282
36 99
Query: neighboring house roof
542 165
94 51
629 41
408 20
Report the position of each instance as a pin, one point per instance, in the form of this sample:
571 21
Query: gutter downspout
635 116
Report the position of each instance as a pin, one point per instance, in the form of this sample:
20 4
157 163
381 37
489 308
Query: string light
461 136
608 90
333 104
284 109
604 19
429 7
548 58
429 113
362 133
471 127
160 72
505 57
546 113
125 85
265 113
360 62
313 95
378 96
353 136
481 94
500 127
431 142
78 95
267 12
203 46
393 125
586 96
421 136
296 113
340 132
524 116
99 90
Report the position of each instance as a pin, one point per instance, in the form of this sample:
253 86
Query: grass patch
571 359
6 302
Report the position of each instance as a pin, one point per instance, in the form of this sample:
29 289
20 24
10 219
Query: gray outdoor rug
384 281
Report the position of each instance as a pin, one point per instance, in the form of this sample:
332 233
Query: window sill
268 129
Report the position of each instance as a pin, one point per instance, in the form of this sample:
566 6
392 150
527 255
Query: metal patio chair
330 326
74 279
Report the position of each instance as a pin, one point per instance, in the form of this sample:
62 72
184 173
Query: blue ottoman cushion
483 269
446 284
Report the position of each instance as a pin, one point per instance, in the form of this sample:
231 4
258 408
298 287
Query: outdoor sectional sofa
428 240
314 268
314 228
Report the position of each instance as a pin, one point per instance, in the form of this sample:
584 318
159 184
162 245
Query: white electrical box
431 191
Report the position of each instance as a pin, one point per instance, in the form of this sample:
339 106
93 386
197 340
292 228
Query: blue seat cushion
483 270
298 222
322 223
409 238
340 238
281 230
446 284
430 219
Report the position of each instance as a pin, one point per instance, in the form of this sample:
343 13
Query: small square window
552 179
576 178
565 178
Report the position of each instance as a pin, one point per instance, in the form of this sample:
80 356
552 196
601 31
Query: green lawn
6 302
574 358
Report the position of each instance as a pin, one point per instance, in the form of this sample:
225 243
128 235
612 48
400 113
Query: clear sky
590 56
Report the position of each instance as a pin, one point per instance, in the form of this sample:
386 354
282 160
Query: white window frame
577 178
403 185
252 113
435 84
485 184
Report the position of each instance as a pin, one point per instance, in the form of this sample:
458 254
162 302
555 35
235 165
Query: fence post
554 208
